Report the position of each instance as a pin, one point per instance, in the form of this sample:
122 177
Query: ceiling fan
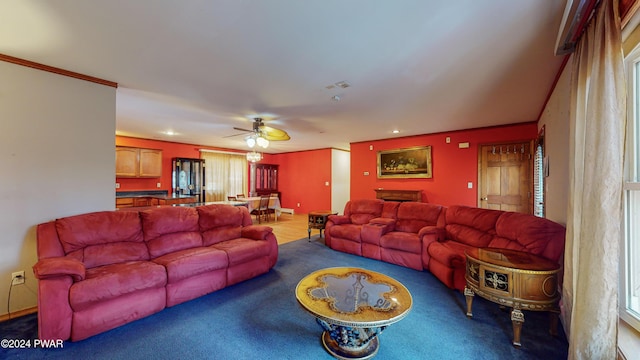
266 132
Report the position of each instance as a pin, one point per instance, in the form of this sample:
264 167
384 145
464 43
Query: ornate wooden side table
353 306
516 279
318 219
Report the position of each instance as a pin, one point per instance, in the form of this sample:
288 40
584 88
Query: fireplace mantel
399 195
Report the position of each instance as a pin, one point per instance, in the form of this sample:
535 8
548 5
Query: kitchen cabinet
124 202
137 162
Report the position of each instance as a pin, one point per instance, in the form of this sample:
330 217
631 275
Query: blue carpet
261 319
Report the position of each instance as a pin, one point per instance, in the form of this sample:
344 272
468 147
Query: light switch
447 139
117 185
326 183
158 185
366 173
470 185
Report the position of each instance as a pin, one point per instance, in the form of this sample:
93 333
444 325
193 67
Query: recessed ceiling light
396 131
169 132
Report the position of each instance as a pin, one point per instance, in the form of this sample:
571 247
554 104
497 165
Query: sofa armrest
434 233
339 219
59 266
256 232
386 224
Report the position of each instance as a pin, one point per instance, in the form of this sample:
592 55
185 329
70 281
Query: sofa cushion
242 250
103 238
220 223
170 229
190 262
405 241
361 211
532 234
346 231
413 216
106 282
471 226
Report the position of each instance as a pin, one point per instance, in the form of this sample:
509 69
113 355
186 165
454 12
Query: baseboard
19 313
286 210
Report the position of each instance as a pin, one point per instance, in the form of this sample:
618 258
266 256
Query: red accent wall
302 176
452 167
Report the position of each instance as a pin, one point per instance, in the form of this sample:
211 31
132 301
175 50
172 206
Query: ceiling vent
576 17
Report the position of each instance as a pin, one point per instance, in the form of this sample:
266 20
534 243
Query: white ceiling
200 67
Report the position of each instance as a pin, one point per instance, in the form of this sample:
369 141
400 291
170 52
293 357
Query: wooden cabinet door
124 202
126 162
150 163
505 177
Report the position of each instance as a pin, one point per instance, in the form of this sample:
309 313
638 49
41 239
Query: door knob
484 198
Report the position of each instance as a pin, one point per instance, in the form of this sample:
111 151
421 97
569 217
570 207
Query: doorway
505 177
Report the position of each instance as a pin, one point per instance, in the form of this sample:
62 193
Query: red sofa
425 236
101 270
469 227
385 230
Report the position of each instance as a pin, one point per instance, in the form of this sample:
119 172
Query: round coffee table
353 306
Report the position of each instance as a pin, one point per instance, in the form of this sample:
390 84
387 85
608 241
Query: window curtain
597 125
225 174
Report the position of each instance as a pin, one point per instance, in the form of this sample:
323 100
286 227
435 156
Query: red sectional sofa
101 270
425 236
385 230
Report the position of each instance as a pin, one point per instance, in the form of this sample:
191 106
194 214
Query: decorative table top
512 259
354 297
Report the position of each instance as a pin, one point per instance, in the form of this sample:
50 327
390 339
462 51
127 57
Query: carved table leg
468 293
517 319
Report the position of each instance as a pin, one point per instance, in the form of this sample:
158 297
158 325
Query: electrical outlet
17 278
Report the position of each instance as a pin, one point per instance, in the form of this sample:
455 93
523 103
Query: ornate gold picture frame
412 162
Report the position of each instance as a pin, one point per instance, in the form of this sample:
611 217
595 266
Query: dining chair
263 209
240 196
231 198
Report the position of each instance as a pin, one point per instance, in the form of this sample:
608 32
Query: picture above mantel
412 162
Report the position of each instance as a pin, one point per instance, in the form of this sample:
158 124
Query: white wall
57 138
340 178
555 119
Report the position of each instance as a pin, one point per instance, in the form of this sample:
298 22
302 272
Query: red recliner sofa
385 230
101 270
425 236
469 227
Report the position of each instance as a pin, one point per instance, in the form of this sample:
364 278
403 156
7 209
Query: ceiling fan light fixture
262 142
251 142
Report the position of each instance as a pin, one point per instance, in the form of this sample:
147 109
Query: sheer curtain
590 289
225 174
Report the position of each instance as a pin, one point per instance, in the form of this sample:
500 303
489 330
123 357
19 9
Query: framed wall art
412 162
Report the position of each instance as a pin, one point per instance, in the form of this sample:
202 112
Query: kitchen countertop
163 194
233 203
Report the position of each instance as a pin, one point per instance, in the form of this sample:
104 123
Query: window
630 249
226 174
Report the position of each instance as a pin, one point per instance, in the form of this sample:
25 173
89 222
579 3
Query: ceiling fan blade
241 129
273 134
234 135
